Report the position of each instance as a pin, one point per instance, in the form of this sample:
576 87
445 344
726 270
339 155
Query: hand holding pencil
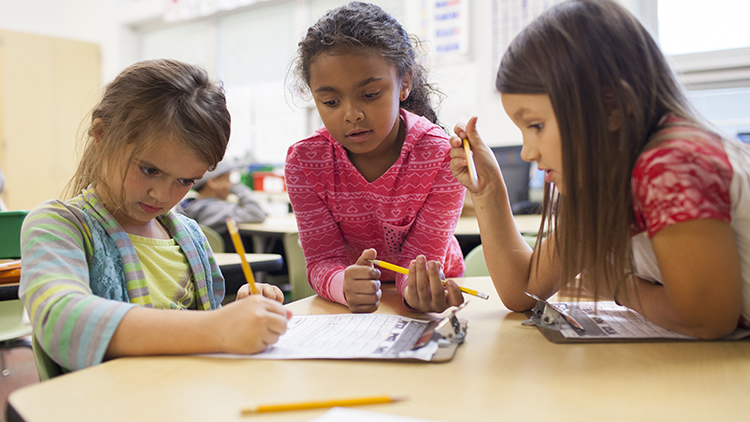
402 270
267 290
469 157
426 289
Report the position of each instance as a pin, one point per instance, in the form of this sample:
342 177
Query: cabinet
47 88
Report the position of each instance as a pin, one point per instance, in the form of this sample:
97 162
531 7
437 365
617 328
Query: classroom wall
47 86
467 79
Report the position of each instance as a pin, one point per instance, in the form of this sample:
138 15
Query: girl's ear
97 130
405 86
614 113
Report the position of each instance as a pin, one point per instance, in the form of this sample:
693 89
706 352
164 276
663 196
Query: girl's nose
160 192
353 113
529 153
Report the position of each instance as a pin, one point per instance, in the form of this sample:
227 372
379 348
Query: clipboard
449 332
603 322
386 337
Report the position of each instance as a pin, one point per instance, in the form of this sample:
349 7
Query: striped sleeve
73 325
216 276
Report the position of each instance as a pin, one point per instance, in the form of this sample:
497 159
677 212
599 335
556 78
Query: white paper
341 414
608 320
349 336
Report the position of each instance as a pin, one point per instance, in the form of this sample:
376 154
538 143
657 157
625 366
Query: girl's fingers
455 296
365 256
436 285
423 283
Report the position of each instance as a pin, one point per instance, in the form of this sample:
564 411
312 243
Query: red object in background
268 181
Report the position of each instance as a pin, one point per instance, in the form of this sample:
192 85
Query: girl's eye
372 95
186 182
537 126
149 171
330 103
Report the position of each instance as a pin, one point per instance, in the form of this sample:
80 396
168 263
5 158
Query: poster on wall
510 17
443 25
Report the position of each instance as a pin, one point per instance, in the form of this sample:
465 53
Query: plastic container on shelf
268 181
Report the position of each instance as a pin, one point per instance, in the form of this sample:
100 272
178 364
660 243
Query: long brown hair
592 57
367 26
148 102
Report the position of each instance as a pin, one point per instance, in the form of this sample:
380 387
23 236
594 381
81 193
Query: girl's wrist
491 196
209 326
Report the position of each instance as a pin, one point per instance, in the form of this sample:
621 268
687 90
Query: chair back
214 239
46 367
10 233
297 267
12 325
475 263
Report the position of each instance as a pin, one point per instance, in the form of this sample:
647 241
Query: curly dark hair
364 25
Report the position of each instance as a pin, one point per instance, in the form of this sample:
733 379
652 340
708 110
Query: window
709 46
702 26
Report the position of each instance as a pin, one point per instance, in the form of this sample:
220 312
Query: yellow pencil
471 165
402 270
235 234
320 404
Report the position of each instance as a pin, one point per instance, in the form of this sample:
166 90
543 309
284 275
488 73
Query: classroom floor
20 363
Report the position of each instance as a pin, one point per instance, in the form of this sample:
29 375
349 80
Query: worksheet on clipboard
607 320
350 336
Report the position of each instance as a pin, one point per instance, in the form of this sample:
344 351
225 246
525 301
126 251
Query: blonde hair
592 57
151 101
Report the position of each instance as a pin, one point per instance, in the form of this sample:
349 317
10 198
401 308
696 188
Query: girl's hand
267 290
362 284
250 325
425 291
484 159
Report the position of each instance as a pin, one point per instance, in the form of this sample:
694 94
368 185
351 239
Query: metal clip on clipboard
447 331
545 314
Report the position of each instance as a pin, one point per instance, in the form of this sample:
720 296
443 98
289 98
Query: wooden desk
280 225
257 261
228 262
504 372
283 228
274 227
526 224
231 267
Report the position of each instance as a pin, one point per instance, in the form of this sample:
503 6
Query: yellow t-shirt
167 272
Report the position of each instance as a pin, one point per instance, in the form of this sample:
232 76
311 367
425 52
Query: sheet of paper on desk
609 320
342 414
350 336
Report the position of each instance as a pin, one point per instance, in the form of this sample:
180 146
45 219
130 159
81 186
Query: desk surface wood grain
504 371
